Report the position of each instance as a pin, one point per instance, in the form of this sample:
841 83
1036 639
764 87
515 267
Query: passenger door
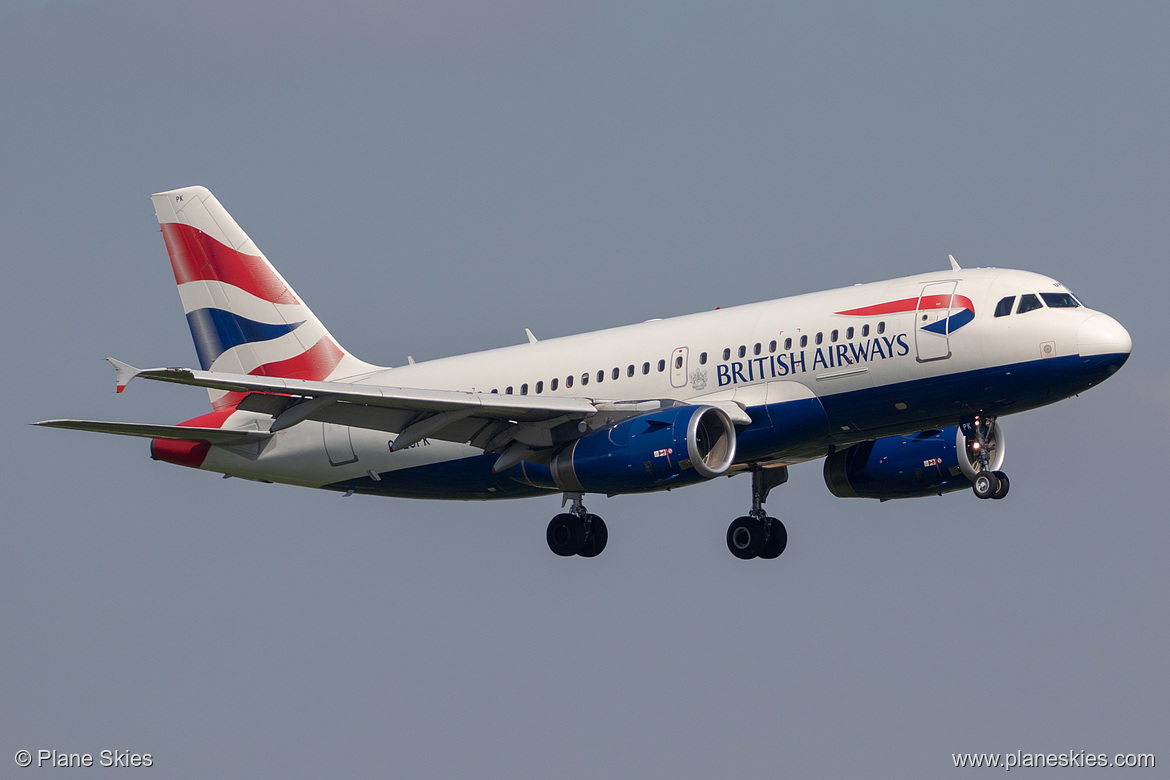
931 339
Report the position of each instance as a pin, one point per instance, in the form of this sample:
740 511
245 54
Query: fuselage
813 372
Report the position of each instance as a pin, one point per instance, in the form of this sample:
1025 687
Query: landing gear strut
982 449
756 535
577 532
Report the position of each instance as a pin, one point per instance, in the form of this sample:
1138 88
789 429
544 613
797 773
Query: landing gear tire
746 537
776 539
596 537
985 484
1004 485
566 535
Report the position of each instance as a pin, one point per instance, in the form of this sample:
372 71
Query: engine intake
925 464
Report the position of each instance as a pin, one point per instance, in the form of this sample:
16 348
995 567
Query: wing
517 427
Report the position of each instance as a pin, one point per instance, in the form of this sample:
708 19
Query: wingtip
123 373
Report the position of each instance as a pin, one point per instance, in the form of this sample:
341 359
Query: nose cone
1103 335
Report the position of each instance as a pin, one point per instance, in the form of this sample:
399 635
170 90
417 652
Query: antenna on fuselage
954 263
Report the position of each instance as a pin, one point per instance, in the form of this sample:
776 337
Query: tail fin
244 317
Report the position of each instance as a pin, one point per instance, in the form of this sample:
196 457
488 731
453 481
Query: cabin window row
757 348
789 342
615 373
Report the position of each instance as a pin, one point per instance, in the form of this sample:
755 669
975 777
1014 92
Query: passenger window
661 366
756 349
702 358
833 337
820 337
584 379
616 372
1004 307
630 370
524 389
539 387
678 361
508 391
742 350
771 346
496 390
552 386
849 333
1059 300
864 330
568 382
601 375
645 368
727 354
804 341
881 328
787 344
1029 302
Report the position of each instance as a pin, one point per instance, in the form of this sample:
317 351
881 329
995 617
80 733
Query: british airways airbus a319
898 385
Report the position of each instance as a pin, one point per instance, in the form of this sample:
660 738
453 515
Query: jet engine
676 446
924 464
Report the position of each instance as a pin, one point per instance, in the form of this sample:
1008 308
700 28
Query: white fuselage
879 359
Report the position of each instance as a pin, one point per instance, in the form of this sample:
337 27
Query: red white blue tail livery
244 317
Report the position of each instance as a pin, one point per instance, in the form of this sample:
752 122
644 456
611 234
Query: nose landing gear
983 450
756 535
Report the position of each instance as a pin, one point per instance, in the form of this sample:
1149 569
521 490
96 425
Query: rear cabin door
931 321
338 445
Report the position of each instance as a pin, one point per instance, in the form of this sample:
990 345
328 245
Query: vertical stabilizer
243 315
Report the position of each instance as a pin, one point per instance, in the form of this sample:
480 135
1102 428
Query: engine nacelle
675 446
925 464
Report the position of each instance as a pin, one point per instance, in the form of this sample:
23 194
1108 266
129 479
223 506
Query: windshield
1060 300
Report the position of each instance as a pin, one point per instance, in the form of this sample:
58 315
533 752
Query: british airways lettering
834 356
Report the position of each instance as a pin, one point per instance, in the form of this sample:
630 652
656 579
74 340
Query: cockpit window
1060 300
1028 303
1004 307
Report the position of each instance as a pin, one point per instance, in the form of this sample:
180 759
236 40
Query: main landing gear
756 535
577 532
987 483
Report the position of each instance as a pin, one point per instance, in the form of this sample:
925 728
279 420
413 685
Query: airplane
897 384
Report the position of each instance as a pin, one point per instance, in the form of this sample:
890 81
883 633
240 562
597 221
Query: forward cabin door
931 321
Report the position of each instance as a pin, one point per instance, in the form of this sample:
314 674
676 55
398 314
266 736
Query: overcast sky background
433 177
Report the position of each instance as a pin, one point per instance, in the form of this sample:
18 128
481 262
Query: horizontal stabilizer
146 430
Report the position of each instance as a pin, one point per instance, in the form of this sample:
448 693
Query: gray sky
433 177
